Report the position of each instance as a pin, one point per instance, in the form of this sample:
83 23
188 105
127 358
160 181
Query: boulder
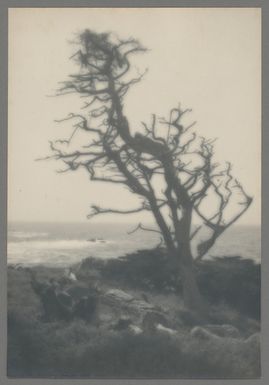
224 330
162 329
135 329
122 324
215 331
77 291
203 334
119 300
142 306
88 268
118 295
254 340
117 303
152 319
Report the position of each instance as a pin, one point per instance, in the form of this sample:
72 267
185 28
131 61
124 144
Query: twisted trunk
191 293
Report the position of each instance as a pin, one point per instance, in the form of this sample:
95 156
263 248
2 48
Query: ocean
61 244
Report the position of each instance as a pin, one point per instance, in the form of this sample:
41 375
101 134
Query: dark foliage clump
234 281
231 280
146 269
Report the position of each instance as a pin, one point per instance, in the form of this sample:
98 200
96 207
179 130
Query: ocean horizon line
10 222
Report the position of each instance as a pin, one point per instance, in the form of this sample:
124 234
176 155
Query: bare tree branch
141 227
96 210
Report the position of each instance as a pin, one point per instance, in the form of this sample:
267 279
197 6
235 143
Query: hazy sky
207 59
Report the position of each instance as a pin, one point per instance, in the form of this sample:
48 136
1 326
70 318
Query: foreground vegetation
78 349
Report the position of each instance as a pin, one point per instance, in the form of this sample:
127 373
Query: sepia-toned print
134 193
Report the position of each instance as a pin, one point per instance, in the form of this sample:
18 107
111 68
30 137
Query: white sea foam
55 252
52 245
27 235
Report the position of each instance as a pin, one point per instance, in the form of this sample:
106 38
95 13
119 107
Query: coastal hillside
125 317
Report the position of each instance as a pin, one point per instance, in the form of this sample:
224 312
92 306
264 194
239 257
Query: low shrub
234 281
231 280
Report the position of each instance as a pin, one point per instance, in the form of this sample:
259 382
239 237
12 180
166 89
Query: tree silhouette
164 162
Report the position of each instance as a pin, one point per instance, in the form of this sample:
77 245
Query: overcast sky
207 59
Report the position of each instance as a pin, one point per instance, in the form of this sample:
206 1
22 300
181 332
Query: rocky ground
133 329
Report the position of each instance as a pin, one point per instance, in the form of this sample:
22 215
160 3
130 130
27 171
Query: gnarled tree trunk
191 293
